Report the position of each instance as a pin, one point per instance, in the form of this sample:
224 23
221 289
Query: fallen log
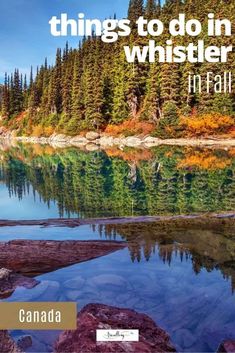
35 257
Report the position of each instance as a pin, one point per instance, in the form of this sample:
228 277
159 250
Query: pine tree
152 103
135 10
150 9
5 106
94 85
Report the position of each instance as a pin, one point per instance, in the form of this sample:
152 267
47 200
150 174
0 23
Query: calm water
184 280
39 182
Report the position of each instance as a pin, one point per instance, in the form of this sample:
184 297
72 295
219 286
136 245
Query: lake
184 279
38 182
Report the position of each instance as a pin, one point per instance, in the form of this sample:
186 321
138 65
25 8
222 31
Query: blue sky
25 33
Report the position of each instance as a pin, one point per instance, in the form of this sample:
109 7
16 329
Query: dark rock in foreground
7 345
9 281
152 339
227 347
34 257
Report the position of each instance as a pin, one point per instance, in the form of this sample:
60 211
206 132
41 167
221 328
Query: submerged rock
152 339
34 257
7 345
9 281
24 342
75 283
227 347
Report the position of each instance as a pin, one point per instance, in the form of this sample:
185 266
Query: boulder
9 281
227 347
34 257
91 147
78 140
7 345
92 135
132 141
106 141
152 339
59 138
151 141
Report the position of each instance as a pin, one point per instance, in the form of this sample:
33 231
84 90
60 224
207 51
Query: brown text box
38 315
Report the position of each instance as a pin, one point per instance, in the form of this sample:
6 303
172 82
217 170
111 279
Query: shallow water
185 287
184 279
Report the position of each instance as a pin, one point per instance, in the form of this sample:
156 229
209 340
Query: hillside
94 88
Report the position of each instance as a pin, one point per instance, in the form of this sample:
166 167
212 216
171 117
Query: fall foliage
207 124
93 87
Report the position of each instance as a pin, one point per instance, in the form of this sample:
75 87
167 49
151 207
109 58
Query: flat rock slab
9 281
34 257
152 339
227 347
7 345
207 220
58 222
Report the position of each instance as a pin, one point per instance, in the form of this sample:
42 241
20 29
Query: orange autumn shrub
40 150
20 117
38 131
231 152
204 161
133 156
231 132
48 131
207 124
130 127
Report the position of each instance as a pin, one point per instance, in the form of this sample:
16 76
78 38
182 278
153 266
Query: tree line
93 85
96 185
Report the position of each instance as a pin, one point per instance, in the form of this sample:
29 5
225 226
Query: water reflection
163 180
204 248
180 278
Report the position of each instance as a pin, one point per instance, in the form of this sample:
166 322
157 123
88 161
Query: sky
25 32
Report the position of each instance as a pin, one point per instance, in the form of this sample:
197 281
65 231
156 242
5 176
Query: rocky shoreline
152 338
10 280
201 220
93 141
95 316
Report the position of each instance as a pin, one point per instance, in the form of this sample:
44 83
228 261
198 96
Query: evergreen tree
150 9
5 100
94 85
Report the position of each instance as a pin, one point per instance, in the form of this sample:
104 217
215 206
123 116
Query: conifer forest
93 87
